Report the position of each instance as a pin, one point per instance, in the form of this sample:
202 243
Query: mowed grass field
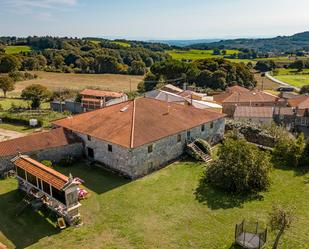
56 81
167 209
124 44
17 49
195 54
293 77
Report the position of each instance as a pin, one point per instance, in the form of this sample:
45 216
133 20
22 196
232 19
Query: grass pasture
195 54
56 81
292 77
167 209
17 49
124 44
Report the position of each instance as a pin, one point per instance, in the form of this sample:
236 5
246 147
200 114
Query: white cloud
40 9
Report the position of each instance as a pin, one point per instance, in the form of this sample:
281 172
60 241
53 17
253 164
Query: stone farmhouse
140 136
240 96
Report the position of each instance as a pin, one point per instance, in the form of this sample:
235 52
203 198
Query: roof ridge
45 168
133 125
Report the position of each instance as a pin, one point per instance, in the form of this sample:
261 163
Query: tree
36 94
106 64
149 83
6 84
216 51
299 65
240 168
137 68
304 160
9 63
280 219
304 89
264 66
288 151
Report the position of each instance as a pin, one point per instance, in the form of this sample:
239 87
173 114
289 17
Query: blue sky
154 19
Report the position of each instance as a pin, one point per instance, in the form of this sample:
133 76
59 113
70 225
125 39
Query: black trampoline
250 236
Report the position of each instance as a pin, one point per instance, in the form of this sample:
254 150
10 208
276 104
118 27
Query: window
59 195
203 128
90 153
110 148
150 165
150 149
46 187
188 134
178 138
89 137
211 125
32 179
21 173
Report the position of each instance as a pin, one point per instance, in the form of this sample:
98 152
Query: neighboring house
172 89
90 100
239 96
47 186
69 105
52 145
257 114
96 99
186 97
140 136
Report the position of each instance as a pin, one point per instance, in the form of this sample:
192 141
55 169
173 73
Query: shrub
47 163
240 168
288 151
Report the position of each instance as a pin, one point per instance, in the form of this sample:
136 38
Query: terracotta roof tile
237 89
37 141
149 119
302 102
48 175
253 112
100 93
245 97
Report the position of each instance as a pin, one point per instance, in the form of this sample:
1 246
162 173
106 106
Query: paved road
279 82
7 134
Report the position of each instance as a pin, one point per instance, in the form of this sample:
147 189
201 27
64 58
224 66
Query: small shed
57 191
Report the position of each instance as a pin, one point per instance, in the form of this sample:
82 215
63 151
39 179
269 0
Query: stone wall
53 154
137 162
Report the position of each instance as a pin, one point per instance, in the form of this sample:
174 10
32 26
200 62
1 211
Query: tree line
82 55
214 73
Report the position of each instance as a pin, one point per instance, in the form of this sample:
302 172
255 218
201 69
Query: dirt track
7 135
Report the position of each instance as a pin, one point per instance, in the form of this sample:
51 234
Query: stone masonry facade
53 154
139 161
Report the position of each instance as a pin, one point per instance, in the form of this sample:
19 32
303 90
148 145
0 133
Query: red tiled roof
134 123
253 112
37 141
237 89
284 111
100 93
245 97
48 175
302 102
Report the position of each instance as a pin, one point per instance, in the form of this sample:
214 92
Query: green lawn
17 49
167 209
196 54
7 103
17 127
293 77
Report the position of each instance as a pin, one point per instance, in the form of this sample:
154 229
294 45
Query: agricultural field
124 44
17 49
195 54
170 208
293 77
56 81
